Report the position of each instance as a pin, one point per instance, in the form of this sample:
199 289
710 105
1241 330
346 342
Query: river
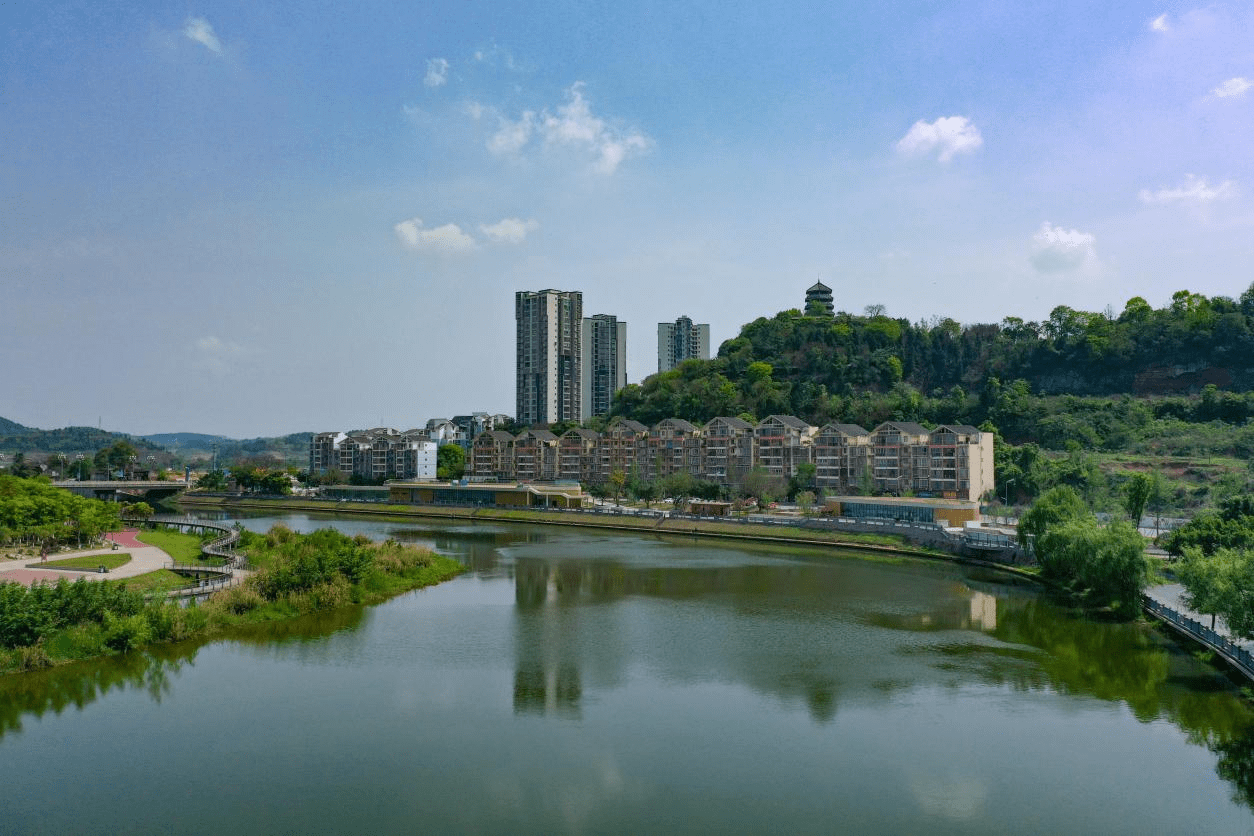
590 682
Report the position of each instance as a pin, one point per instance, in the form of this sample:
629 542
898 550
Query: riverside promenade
1166 602
27 570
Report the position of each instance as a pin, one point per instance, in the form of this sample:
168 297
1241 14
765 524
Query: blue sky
322 211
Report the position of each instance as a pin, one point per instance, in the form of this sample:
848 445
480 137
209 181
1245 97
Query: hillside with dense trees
847 367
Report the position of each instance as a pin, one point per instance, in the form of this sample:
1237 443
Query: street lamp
1009 482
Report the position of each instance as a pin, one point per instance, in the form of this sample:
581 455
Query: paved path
1172 595
144 559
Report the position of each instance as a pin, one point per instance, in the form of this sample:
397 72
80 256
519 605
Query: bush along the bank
50 624
1106 565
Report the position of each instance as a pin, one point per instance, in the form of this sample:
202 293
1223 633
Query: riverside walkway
144 559
1166 603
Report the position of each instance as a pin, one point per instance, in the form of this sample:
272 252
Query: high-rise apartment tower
604 362
548 358
679 341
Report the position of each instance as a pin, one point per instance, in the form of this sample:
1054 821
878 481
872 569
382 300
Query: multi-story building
619 448
604 352
727 450
374 455
492 456
577 455
673 446
842 457
549 348
679 341
535 456
783 442
898 457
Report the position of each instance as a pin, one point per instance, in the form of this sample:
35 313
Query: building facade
549 356
604 352
898 458
679 341
374 455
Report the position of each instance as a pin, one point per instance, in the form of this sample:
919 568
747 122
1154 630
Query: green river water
587 682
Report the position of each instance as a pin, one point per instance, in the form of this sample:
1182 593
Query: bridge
135 491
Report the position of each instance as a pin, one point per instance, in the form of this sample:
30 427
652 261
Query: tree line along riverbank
297 574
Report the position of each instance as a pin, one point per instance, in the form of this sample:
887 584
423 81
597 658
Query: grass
184 548
160 581
90 561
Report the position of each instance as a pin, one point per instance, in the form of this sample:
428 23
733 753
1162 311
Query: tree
1055 507
450 461
1136 495
618 480
214 480
805 502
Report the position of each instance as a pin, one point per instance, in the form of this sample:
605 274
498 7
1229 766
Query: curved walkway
144 559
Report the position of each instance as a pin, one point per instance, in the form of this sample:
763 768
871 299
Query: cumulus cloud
445 239
509 230
571 125
1232 87
1057 250
437 72
1160 24
512 137
949 135
1194 190
574 124
199 30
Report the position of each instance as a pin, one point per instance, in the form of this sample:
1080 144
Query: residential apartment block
604 349
679 341
549 356
374 455
897 457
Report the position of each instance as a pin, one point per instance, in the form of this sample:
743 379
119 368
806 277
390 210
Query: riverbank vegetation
1105 565
1217 564
49 624
34 515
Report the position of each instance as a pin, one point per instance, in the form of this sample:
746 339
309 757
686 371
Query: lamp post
1009 482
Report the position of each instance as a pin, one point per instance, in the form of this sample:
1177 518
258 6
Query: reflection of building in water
546 676
983 611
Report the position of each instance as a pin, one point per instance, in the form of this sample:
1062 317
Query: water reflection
77 686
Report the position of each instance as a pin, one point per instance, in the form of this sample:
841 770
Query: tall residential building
548 359
604 363
680 341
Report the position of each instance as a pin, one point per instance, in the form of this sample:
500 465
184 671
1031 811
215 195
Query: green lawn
90 561
184 548
162 580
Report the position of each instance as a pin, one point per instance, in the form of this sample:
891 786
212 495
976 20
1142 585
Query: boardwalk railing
1237 656
208 577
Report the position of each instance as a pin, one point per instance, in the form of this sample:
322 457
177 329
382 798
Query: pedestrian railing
1237 656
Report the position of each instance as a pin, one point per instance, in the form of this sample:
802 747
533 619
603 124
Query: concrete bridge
124 491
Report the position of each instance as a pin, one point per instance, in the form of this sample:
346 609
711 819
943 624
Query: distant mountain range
15 438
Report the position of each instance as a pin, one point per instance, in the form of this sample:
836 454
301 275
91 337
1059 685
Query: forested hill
8 427
821 367
68 440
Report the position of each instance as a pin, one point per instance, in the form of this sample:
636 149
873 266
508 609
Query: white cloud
572 125
447 239
509 230
199 30
950 134
1160 24
437 72
512 136
1194 190
1232 87
1056 250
